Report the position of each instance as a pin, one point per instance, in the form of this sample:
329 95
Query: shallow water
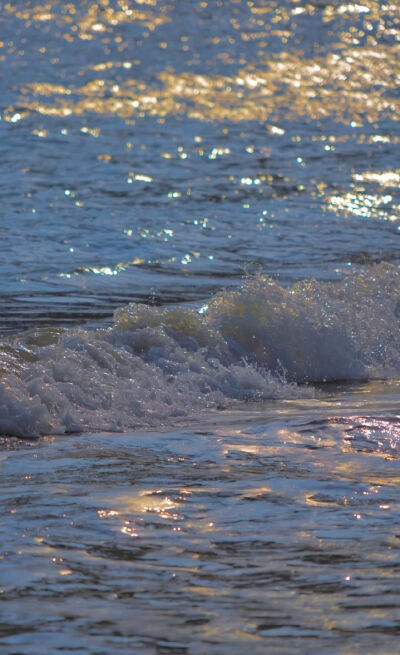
212 467
274 529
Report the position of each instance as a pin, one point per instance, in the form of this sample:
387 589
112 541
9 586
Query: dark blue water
160 153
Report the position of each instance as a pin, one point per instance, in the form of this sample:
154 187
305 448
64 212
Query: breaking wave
156 365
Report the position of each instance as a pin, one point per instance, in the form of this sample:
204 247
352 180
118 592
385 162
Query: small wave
155 365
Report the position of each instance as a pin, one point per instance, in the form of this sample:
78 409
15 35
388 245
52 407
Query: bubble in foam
156 365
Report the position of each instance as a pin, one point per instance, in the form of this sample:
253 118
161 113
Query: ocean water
199 336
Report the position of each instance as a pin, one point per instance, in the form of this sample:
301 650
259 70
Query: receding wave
155 365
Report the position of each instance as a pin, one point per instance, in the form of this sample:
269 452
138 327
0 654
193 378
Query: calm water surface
199 475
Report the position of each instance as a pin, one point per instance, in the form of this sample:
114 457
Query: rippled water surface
213 467
276 530
161 149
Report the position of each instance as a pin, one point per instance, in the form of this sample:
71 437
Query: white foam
155 365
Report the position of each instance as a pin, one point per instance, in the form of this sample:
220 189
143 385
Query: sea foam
155 365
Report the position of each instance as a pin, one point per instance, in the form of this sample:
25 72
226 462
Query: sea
199 327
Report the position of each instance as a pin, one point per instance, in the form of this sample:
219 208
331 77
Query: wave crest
154 365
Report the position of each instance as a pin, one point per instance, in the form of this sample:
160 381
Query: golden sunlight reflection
283 88
365 205
278 93
384 178
132 509
350 83
107 270
94 18
198 495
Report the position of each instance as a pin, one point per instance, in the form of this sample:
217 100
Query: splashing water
156 365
